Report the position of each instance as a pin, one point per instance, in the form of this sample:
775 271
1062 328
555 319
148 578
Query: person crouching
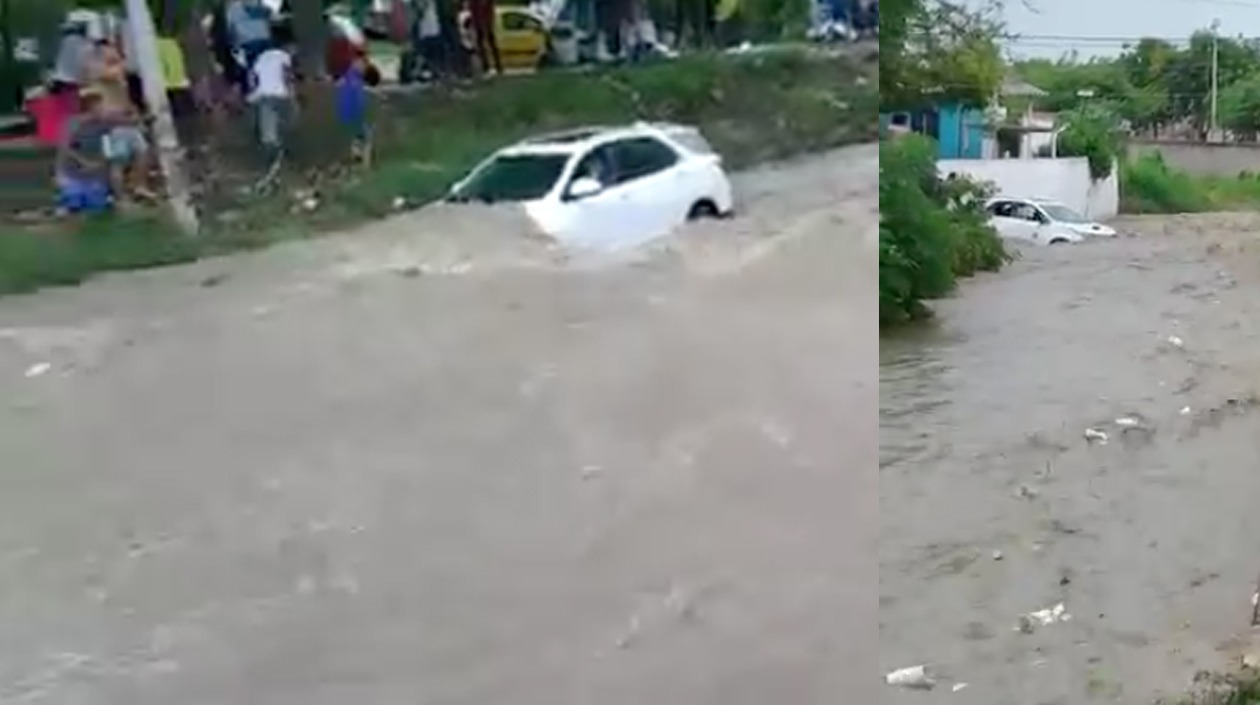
82 173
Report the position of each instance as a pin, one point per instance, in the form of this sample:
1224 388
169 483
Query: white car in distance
605 187
1042 221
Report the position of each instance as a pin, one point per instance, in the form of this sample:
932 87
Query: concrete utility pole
169 152
1216 24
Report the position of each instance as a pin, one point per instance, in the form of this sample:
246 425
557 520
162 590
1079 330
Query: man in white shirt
271 94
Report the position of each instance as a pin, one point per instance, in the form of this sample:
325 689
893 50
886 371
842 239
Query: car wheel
702 210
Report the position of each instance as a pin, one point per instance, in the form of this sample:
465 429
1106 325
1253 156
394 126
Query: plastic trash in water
916 677
1094 435
39 369
957 687
1043 618
1175 341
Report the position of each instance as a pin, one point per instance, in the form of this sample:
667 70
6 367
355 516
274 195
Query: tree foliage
1154 83
934 50
932 231
1092 131
1239 107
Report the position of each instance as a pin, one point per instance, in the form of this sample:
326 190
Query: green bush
932 231
1148 185
1092 132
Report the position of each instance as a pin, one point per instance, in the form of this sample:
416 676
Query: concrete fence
1064 180
1204 158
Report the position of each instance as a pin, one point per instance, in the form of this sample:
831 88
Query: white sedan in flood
1042 222
606 188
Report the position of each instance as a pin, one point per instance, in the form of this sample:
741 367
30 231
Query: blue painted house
958 129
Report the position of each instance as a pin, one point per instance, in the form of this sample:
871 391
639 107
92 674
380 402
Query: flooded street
433 462
994 504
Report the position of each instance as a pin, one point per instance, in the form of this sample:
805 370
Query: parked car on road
523 36
606 187
1042 221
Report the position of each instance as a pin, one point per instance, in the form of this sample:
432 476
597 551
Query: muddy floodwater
438 461
995 504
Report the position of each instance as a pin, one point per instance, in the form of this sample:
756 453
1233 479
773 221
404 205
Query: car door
657 194
596 220
1035 224
1005 221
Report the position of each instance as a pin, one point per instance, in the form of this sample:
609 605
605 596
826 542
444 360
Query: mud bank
995 504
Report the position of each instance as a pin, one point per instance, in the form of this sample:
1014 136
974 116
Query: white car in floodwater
1042 221
606 187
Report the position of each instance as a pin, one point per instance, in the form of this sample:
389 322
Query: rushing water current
994 503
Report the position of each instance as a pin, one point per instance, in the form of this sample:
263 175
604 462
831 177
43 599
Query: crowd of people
95 110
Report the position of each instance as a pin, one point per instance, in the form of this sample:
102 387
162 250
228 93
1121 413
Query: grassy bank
753 108
931 232
1149 185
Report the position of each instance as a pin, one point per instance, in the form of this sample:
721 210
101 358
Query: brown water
435 462
1151 540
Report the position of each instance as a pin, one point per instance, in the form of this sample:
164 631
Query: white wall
1064 180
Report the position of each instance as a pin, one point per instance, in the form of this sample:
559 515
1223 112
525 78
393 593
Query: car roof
1033 201
579 139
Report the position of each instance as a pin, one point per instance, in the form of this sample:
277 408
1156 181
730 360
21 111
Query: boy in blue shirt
352 106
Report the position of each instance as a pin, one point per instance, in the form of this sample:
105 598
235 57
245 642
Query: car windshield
513 177
1063 214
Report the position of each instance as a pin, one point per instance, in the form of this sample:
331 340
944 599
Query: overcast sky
1114 19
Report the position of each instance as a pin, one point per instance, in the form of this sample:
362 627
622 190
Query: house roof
1014 86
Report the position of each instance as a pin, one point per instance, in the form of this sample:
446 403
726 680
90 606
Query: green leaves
931 231
1154 83
1092 131
1239 106
938 50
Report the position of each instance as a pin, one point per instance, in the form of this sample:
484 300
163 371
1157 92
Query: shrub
932 230
1091 132
1149 185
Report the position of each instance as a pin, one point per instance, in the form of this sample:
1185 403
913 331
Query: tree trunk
169 152
311 35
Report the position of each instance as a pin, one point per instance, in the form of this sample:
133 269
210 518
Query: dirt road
994 504
429 465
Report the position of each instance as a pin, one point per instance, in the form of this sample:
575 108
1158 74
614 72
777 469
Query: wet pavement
995 504
436 462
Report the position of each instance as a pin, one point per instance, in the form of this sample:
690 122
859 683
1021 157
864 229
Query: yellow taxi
521 33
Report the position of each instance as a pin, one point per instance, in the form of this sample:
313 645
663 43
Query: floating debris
1095 435
1042 618
39 369
1176 342
916 677
1026 492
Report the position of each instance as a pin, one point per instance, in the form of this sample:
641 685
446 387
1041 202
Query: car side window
1000 208
642 156
1024 211
598 164
520 22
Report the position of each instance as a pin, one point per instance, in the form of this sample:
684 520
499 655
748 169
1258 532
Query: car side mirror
584 187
